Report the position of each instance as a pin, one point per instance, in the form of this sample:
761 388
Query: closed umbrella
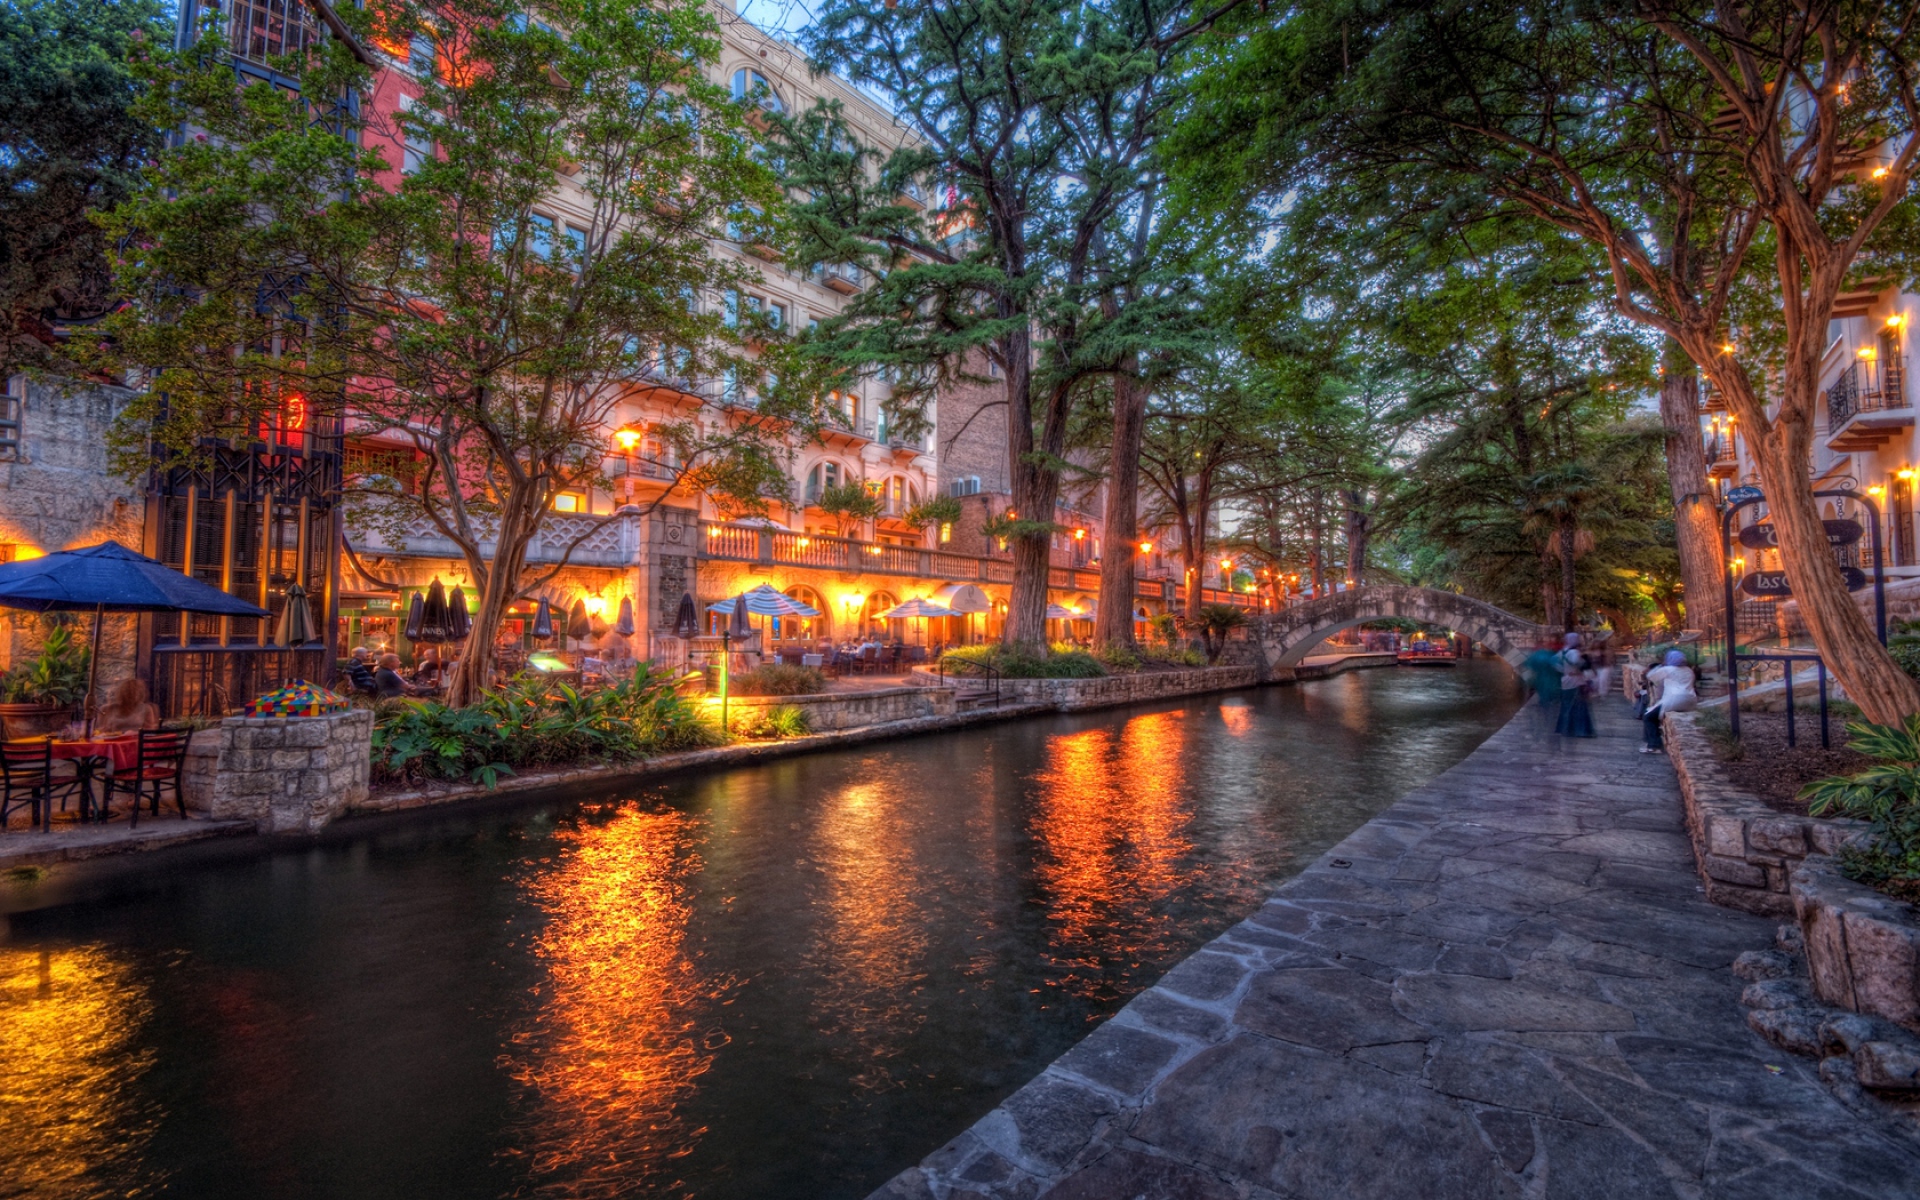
296 623
110 578
416 610
738 625
435 622
578 626
624 626
459 621
686 622
543 621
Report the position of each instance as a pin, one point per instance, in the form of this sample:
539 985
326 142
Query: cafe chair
27 778
159 761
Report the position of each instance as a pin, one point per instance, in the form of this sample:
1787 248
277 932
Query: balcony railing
747 543
1873 386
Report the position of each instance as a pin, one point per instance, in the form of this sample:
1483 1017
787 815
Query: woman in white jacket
1669 689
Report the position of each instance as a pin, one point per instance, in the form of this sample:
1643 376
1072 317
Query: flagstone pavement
1507 985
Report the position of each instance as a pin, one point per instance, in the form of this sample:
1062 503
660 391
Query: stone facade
56 493
1746 851
292 774
832 711
1076 695
1863 947
1291 634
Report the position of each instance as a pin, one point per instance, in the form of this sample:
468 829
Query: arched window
749 84
877 603
803 628
823 476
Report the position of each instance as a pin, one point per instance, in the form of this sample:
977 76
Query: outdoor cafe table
89 756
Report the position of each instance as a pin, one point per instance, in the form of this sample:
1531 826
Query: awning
963 598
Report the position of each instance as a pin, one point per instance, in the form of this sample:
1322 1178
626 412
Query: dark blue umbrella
110 578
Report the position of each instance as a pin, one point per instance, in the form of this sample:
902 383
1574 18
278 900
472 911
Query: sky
783 18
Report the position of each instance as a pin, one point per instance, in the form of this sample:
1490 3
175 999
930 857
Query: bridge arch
1287 636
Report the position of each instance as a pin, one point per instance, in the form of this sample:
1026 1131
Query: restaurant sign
1773 584
1764 537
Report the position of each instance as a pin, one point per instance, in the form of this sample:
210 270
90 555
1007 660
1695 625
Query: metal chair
26 777
160 760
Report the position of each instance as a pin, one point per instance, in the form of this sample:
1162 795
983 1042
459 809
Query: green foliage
1071 664
525 725
1163 628
777 679
1118 658
849 504
1215 623
57 675
940 510
1173 656
70 148
781 721
1887 794
1906 653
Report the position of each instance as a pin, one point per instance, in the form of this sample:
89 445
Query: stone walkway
1507 985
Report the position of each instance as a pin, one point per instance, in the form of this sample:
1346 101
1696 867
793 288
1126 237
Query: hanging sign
1765 537
1741 495
1772 585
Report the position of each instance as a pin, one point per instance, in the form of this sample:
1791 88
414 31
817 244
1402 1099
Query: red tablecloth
123 753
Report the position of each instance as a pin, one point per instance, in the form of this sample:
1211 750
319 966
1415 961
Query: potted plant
38 696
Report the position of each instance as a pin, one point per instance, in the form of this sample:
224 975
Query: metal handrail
992 673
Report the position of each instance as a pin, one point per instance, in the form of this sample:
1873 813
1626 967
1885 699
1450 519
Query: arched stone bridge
1288 636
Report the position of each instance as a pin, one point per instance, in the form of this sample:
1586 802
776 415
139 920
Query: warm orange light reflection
625 1022
875 927
1111 829
1238 718
69 1055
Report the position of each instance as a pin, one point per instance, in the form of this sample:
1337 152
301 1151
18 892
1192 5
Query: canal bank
1508 983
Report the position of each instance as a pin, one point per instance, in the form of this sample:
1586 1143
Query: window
823 476
540 235
970 486
417 149
263 29
569 502
946 532
777 315
420 54
11 404
898 500
743 223
577 242
749 84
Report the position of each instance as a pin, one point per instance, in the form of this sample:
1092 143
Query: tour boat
1427 654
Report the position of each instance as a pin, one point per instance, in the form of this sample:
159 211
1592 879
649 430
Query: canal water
791 980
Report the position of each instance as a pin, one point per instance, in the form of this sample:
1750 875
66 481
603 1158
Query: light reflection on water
783 981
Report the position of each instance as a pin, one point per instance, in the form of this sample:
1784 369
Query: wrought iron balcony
1867 406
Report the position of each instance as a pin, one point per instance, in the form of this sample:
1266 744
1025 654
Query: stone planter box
1745 850
198 772
831 711
1863 947
292 774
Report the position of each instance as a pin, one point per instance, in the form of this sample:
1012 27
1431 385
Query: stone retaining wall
292 774
831 710
1863 947
1745 850
1076 695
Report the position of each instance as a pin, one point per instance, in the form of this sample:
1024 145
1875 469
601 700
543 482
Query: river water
790 980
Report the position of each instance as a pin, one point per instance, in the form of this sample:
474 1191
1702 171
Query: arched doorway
871 625
802 629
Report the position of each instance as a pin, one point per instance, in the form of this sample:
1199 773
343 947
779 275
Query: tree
1040 119
1197 428
70 147
933 512
1716 156
849 504
284 263
1215 623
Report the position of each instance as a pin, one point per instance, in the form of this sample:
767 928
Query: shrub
1119 658
1215 623
57 675
1906 652
524 724
1175 656
782 721
1071 664
778 679
1887 794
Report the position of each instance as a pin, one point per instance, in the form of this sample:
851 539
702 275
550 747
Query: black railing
974 671
1868 386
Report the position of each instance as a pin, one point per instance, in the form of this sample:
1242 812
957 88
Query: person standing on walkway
1541 670
1576 675
1670 688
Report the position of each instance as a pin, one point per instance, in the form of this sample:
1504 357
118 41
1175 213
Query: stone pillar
292 774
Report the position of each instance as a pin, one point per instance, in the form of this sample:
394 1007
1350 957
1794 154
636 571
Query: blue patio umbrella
110 578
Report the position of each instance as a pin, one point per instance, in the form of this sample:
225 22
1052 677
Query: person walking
1541 670
1670 688
1576 676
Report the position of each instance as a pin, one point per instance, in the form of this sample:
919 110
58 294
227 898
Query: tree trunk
1113 624
1695 519
1035 488
1359 533
1845 636
502 577
1568 553
1319 572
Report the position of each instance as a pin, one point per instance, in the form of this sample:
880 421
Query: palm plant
1887 794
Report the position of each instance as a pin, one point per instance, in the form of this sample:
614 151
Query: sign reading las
1764 537
1773 584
